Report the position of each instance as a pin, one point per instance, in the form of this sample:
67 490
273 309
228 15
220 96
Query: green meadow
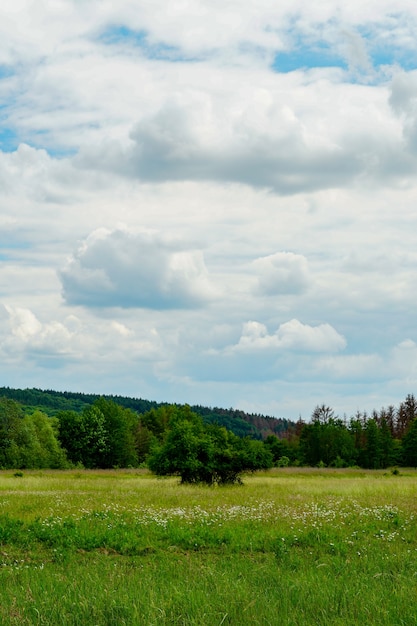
289 547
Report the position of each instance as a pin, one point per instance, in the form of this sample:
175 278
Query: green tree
205 453
278 448
70 435
409 446
83 436
51 454
157 420
386 442
186 452
119 428
28 441
144 440
38 444
372 453
357 433
11 426
102 436
326 441
93 437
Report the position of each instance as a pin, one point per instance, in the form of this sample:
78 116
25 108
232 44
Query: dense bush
205 453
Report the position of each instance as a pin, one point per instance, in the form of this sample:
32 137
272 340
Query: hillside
241 423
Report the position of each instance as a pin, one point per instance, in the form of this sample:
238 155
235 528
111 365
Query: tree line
379 440
243 424
175 439
169 440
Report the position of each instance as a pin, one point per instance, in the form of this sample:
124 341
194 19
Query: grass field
290 547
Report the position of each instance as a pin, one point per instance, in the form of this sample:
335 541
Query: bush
200 453
284 461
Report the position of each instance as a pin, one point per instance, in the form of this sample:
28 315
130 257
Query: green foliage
70 430
205 453
28 441
114 431
326 440
11 416
103 435
51 455
284 461
389 453
339 462
156 420
409 446
282 449
119 425
93 434
371 453
241 423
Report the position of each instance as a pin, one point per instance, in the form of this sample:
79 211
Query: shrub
284 461
205 453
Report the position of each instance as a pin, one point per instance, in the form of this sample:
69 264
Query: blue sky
210 202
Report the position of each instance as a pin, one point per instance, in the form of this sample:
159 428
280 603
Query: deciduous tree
205 453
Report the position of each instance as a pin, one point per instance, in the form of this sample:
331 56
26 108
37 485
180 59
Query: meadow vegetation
290 546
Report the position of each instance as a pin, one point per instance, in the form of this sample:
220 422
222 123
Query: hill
241 423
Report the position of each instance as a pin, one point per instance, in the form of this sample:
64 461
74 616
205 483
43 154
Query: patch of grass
327 547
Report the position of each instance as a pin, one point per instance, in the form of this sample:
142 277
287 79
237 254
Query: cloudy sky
210 202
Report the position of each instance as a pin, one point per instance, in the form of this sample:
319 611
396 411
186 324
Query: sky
210 202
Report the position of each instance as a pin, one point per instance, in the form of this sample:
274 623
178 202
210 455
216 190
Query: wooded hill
61 429
239 422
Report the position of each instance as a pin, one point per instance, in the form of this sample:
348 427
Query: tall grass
290 547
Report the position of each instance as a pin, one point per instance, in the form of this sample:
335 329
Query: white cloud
74 339
271 140
355 50
397 363
23 322
212 121
353 367
292 335
124 269
27 333
179 120
403 100
282 273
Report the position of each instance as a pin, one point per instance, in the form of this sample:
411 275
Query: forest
58 430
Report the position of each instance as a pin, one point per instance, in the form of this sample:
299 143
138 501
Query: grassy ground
289 547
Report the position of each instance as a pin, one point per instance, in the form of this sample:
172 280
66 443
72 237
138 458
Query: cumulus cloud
282 273
100 127
27 333
275 134
225 122
197 138
24 336
292 335
125 269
